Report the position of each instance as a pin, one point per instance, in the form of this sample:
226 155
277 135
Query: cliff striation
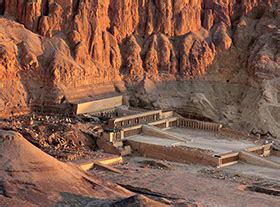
52 50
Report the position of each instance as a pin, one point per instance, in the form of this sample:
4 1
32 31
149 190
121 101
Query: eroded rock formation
173 37
74 46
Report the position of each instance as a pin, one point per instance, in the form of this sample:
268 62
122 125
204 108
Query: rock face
240 86
86 44
109 39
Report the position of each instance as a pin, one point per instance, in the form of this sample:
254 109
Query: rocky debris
116 147
222 175
252 183
266 187
62 137
89 118
155 164
260 135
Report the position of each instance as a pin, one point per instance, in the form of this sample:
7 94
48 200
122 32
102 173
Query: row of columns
104 113
132 132
138 120
200 125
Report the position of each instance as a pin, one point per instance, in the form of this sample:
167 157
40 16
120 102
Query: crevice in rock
3 190
178 66
251 43
264 190
104 40
37 26
110 30
144 191
111 59
91 47
202 14
170 57
45 8
75 7
2 7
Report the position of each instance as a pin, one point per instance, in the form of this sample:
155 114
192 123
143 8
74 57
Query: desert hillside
215 59
30 177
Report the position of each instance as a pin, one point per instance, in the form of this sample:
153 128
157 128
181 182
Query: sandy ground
199 184
255 171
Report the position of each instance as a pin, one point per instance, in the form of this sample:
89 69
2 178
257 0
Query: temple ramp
157 132
254 159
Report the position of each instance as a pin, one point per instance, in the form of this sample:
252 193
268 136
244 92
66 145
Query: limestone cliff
74 48
87 39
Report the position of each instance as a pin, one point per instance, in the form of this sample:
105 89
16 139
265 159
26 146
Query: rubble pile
62 137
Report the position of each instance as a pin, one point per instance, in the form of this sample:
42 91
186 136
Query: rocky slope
30 177
207 54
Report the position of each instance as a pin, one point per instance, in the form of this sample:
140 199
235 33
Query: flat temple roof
98 105
95 98
136 115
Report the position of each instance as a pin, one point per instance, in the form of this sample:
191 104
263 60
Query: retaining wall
98 105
